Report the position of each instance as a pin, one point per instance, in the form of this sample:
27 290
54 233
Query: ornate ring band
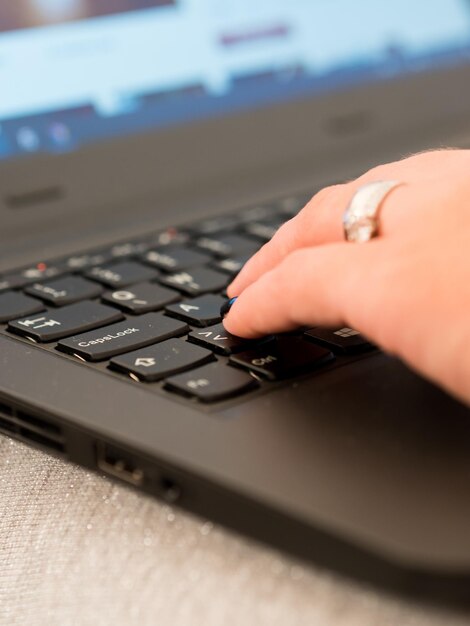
361 218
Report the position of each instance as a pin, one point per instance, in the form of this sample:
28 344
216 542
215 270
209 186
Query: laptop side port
118 464
169 490
31 428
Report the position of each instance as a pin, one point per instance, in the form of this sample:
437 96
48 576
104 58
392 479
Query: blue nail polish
225 308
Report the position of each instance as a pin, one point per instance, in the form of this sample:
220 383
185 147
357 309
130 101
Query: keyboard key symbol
187 308
35 324
346 332
128 296
123 296
183 279
265 360
213 336
160 259
145 362
198 383
33 273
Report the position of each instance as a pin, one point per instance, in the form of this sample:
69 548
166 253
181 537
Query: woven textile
77 549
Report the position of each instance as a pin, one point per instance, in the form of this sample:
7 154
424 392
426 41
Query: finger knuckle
288 236
320 204
324 195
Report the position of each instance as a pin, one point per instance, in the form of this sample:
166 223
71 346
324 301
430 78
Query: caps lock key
134 333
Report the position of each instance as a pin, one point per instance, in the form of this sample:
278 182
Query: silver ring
361 218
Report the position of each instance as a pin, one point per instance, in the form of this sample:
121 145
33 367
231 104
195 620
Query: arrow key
161 360
216 338
203 311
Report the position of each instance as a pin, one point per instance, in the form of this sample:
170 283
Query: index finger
321 220
318 222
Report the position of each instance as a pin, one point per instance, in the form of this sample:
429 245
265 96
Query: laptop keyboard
149 310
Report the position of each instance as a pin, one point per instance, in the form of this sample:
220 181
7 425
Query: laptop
147 150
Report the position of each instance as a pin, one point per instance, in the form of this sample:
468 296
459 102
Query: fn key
212 383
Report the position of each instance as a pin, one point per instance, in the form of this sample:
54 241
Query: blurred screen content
19 14
74 72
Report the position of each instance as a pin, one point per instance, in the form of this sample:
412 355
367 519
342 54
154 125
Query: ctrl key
212 383
282 357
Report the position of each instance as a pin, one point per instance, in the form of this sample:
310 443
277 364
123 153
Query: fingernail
225 308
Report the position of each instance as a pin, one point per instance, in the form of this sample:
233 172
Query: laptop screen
74 72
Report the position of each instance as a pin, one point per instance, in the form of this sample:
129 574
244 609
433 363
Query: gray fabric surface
77 549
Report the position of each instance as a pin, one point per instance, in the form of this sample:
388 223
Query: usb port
118 464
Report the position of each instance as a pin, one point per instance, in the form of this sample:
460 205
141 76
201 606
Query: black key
81 262
121 274
30 275
257 213
203 311
165 359
12 281
291 205
216 338
234 265
263 230
173 259
128 250
14 305
109 341
196 281
42 271
282 357
141 298
341 341
170 237
227 245
213 225
65 290
212 383
69 320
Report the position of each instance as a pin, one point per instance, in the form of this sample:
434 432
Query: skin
408 290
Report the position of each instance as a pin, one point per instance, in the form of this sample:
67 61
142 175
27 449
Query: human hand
407 290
